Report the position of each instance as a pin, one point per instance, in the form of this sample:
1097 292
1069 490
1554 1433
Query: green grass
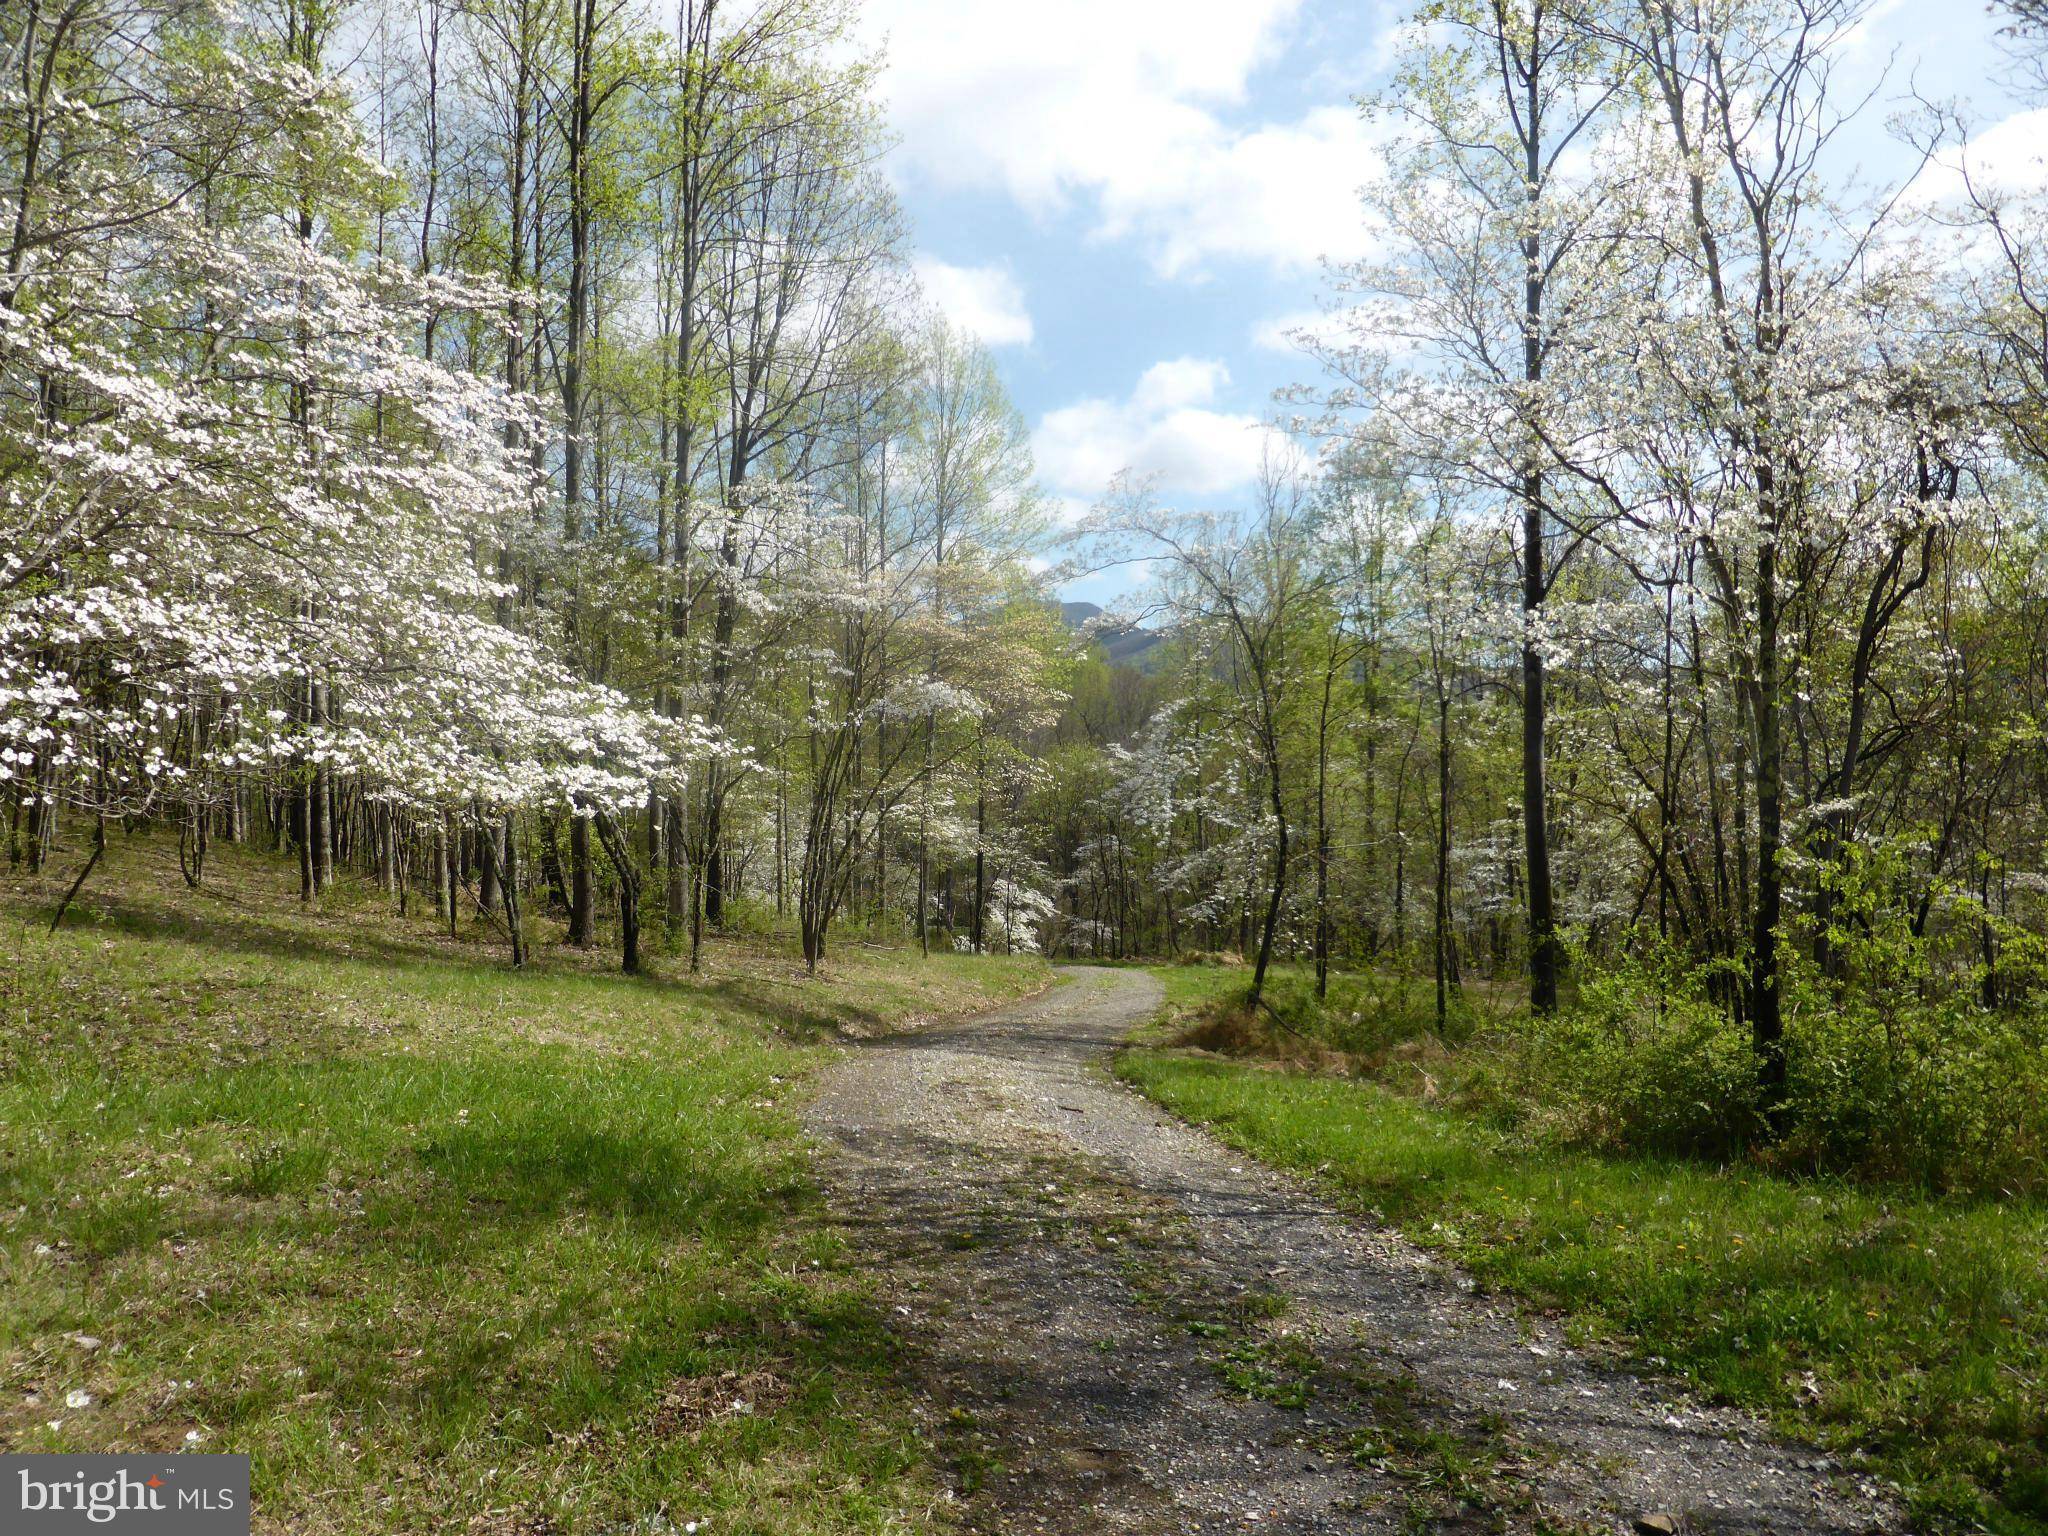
440 1245
1915 1328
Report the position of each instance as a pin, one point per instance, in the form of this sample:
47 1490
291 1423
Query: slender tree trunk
440 875
583 46
1766 1017
1544 958
1277 891
1666 792
302 832
980 832
487 864
675 895
1322 937
620 851
1446 959
696 913
451 841
924 845
321 832
1544 948
505 857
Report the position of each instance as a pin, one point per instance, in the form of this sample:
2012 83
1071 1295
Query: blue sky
1131 199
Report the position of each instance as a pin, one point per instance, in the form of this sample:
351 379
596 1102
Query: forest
493 462
501 451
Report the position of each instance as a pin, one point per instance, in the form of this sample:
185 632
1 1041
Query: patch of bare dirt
692 1403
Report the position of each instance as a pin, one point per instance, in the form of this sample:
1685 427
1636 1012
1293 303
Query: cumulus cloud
1127 107
986 301
1280 193
1167 427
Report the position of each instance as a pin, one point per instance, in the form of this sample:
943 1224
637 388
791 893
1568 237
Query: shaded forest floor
1874 1319
443 1246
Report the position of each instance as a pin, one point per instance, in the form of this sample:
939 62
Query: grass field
1857 1315
444 1247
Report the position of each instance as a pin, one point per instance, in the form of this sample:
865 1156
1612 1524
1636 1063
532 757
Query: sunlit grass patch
441 1245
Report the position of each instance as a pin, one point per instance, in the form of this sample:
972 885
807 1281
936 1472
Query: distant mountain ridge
1123 644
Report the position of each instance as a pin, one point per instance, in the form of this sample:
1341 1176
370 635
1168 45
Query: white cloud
1167 427
2013 153
1125 106
986 301
1282 193
2010 156
1178 381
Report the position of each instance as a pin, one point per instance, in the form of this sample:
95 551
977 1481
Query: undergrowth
1574 1163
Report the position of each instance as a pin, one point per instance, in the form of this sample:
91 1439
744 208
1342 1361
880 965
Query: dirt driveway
1120 1325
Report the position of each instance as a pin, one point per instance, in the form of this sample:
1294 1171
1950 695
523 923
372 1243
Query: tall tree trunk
1766 1016
1446 961
1544 956
924 844
1322 937
1544 947
583 47
980 892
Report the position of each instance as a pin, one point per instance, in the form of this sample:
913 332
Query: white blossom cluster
228 473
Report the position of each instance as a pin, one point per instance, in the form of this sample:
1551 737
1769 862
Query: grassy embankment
1855 1314
442 1246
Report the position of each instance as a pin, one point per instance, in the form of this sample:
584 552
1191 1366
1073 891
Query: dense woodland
495 449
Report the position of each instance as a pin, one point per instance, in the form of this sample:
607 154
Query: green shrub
1642 1061
1895 1066
1941 1093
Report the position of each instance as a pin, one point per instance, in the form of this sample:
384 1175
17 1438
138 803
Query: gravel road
1118 1324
